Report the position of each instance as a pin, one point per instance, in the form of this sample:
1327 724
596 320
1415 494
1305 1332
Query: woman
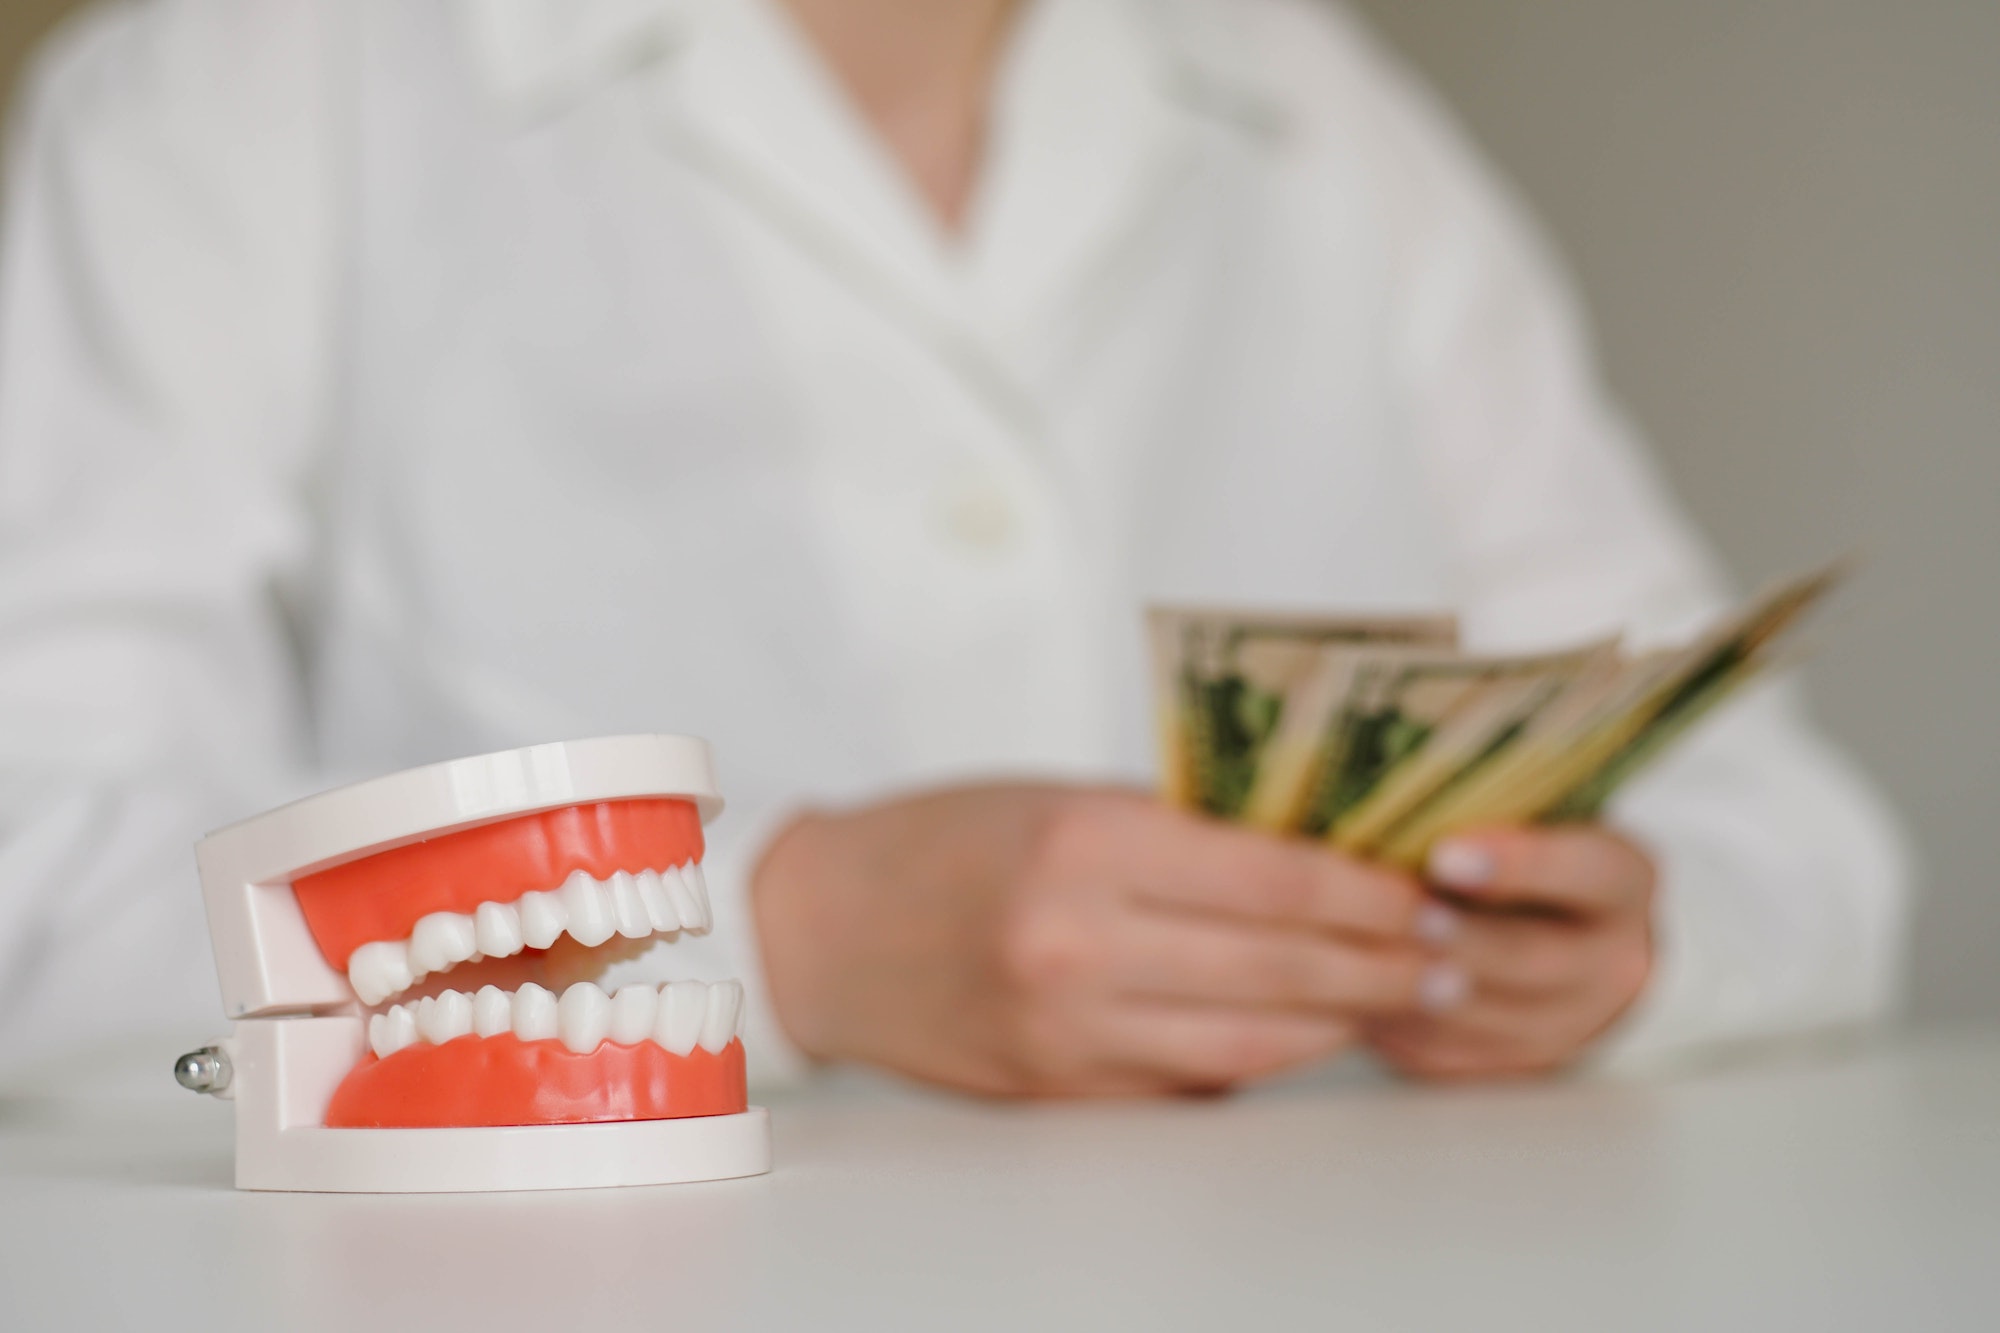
390 380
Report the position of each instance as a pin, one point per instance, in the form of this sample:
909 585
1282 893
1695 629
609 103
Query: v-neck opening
871 160
1081 137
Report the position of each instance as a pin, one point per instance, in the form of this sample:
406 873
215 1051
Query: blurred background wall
1785 215
22 23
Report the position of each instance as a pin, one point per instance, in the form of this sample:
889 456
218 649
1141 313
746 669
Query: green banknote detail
1367 746
1229 720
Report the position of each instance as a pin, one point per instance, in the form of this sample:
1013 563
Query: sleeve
1784 886
164 301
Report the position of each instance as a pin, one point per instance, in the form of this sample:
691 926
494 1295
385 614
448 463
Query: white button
982 517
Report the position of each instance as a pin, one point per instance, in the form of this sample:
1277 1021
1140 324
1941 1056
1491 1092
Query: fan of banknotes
1379 736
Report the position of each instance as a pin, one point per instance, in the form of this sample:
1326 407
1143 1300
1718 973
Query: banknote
1222 680
1570 759
1379 736
1515 781
1722 661
1513 708
1367 711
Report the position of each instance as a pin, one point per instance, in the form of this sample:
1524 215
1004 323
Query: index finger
1194 862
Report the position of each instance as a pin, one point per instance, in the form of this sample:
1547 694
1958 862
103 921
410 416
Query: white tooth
683 1006
393 964
632 1013
378 1034
497 927
361 976
534 1013
492 1012
399 1027
718 1024
698 885
685 905
583 1017
426 950
379 970
455 1014
444 1016
628 909
589 904
659 908
441 940
543 917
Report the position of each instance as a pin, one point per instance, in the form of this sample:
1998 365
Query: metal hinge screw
206 1070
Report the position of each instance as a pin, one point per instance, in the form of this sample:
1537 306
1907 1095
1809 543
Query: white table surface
1817 1192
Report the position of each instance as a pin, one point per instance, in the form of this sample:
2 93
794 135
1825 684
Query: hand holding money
1381 740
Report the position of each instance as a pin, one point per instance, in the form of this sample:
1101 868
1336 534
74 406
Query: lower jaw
502 1080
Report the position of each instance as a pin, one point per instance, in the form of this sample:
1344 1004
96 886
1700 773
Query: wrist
782 907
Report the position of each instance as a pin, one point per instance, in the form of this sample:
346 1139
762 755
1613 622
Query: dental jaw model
410 965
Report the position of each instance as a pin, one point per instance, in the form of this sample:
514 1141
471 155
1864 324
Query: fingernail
1461 865
1436 924
1443 986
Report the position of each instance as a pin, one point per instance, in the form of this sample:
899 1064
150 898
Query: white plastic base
285 1071
525 1157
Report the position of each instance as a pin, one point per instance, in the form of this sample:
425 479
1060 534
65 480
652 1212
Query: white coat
387 380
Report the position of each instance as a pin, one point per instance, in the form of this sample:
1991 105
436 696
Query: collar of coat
540 55
1097 121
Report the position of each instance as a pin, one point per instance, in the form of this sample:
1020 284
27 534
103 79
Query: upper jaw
634 905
